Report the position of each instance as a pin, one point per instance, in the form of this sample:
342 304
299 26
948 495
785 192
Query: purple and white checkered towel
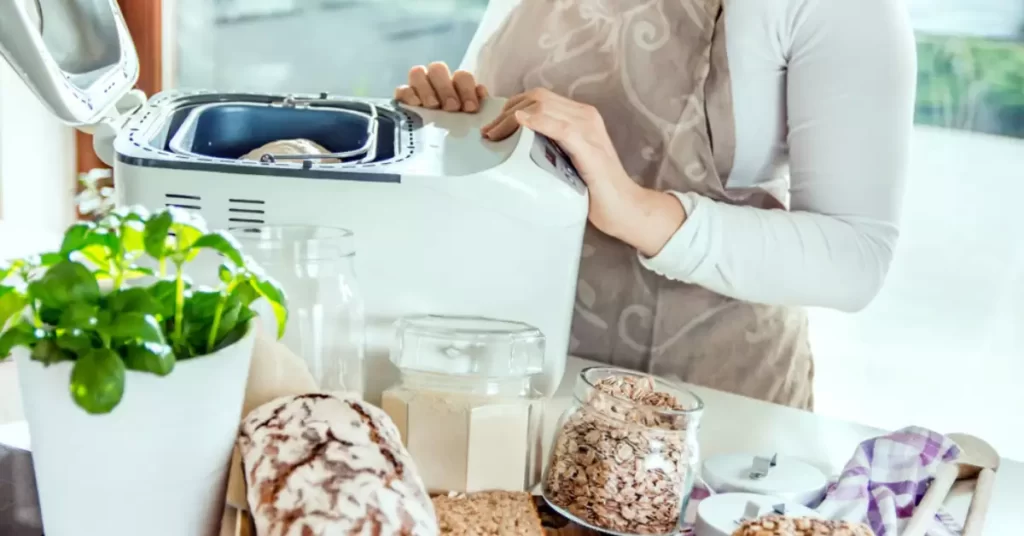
883 482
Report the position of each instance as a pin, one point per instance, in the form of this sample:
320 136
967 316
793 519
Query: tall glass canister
316 268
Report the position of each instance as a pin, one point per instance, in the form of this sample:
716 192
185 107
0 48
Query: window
943 345
348 47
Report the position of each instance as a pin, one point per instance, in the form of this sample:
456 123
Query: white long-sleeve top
823 97
823 91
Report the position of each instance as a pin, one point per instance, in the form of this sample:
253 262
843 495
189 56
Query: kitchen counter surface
730 423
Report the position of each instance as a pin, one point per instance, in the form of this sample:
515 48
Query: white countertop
730 423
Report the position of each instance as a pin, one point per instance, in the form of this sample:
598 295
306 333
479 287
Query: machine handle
368 150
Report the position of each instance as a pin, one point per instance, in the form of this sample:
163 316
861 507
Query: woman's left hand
619 207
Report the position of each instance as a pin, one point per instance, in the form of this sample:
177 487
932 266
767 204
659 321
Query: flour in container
464 404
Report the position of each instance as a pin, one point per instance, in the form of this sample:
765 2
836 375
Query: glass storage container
625 453
315 267
464 402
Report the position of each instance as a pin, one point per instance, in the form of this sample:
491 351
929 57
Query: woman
744 158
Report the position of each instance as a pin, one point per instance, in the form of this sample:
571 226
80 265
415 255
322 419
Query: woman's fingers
551 126
434 86
466 88
505 124
407 95
441 79
420 83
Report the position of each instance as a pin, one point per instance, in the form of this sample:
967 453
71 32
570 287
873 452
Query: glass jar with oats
625 453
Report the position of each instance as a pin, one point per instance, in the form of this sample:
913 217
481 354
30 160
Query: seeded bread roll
322 465
800 526
488 513
297 146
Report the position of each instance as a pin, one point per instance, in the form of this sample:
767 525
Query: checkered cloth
883 482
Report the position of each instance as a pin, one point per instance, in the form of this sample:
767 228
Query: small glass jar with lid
464 402
625 453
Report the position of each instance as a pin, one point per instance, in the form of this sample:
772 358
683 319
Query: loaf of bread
488 513
324 465
800 526
297 146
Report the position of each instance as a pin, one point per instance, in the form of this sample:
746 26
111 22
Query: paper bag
275 371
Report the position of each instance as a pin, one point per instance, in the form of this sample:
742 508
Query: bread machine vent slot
189 202
246 211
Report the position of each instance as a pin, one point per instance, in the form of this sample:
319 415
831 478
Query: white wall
37 159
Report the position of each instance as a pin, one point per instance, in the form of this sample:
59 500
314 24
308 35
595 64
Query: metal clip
291 101
762 466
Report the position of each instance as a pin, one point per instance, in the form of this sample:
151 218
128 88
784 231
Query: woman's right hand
434 86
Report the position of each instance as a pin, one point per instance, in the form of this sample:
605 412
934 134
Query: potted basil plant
132 378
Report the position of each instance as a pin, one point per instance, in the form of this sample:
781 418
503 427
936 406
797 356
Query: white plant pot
156 465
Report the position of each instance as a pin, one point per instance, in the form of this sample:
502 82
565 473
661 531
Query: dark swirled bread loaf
324 465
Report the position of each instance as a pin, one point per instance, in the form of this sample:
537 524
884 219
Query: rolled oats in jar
625 454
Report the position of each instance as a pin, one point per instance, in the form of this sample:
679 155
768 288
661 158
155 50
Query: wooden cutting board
237 522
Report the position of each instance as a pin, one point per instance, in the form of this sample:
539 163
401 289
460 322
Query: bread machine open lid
75 55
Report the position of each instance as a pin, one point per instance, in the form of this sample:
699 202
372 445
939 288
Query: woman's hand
643 218
435 87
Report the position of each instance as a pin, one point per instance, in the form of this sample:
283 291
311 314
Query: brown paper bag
275 371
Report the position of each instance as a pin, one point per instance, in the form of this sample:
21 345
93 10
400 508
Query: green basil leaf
12 304
155 358
201 305
97 381
48 352
137 327
131 213
6 269
136 213
226 273
246 293
135 300
96 255
49 259
187 228
112 220
222 243
64 283
76 237
79 316
20 334
50 316
164 291
107 239
233 336
156 231
230 316
134 272
75 341
269 289
133 236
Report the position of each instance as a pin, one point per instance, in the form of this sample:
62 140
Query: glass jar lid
792 479
467 346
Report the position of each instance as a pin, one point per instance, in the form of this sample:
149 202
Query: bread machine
445 221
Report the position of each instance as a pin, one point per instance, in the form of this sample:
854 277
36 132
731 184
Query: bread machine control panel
549 156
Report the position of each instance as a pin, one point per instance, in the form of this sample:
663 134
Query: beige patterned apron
657 71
